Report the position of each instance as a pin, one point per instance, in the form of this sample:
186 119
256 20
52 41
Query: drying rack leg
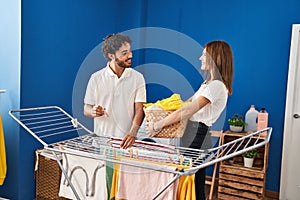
212 186
66 176
217 134
170 183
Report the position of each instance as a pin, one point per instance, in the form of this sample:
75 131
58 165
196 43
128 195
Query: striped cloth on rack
2 154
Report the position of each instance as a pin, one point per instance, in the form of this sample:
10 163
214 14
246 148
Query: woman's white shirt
216 92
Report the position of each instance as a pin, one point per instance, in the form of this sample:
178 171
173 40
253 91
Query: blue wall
58 35
10 58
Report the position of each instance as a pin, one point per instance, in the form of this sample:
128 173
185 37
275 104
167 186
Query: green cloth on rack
109 176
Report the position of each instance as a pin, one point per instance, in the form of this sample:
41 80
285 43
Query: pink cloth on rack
137 183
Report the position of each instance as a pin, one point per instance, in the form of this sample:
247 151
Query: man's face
123 56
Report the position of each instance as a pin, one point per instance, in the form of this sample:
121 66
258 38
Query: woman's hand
153 129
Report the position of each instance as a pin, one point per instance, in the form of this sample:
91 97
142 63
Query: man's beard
123 64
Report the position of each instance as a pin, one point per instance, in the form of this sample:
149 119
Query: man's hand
98 111
127 141
94 111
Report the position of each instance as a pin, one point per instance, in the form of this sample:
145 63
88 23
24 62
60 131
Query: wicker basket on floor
47 178
172 131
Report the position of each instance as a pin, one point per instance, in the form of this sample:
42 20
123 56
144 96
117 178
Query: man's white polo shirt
117 96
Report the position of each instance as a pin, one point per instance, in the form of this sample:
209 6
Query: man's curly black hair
112 43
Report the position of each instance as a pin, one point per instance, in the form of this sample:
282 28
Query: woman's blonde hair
220 60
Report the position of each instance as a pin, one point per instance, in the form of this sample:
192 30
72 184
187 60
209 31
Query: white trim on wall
290 183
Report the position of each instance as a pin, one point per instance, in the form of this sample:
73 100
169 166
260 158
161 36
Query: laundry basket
172 131
47 177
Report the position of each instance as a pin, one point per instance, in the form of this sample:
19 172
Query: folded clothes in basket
87 175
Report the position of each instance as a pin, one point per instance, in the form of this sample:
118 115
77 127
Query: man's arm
129 138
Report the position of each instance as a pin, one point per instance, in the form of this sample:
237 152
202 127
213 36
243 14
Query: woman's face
203 60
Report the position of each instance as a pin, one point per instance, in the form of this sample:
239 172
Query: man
115 94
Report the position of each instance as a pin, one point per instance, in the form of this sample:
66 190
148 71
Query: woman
206 104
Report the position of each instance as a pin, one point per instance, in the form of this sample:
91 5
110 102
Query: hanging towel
87 175
186 188
136 183
2 154
115 182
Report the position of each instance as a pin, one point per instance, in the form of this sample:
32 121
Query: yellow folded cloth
173 102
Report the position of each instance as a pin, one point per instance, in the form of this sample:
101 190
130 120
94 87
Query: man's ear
111 56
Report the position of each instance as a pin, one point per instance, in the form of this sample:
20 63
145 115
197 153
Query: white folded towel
87 175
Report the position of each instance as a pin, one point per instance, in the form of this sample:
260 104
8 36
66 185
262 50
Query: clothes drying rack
60 133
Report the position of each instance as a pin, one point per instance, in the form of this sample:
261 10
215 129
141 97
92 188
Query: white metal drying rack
60 133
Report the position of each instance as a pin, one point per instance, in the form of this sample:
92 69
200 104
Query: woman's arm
181 114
